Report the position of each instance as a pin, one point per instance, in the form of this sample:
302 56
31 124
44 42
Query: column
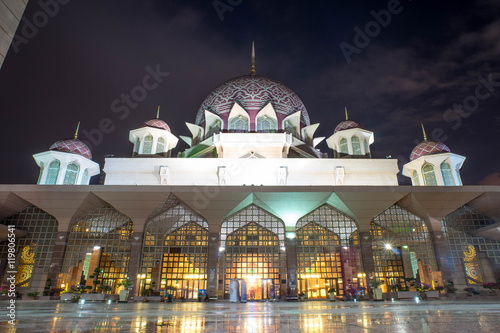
445 265
212 261
58 257
290 289
134 265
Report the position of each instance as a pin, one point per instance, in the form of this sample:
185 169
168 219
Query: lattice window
447 175
290 129
109 229
266 124
148 144
160 146
396 230
253 243
356 146
137 145
238 124
416 179
53 172
343 146
457 228
39 242
429 175
71 174
85 177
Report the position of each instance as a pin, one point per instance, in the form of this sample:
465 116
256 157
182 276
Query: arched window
289 129
137 145
367 147
41 173
416 180
148 144
343 146
429 175
266 125
71 174
356 146
53 172
160 146
446 173
85 177
238 124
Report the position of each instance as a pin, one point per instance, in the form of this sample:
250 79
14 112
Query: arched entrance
252 249
328 255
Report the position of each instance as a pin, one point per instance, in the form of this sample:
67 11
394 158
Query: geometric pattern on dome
73 146
253 92
347 124
157 123
427 148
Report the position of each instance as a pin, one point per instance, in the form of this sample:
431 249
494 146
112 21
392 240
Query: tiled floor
319 316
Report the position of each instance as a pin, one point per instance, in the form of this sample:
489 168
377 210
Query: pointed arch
356 145
160 146
53 172
429 175
447 174
147 144
71 175
344 148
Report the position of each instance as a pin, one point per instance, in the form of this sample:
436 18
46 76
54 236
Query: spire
252 71
423 131
77 129
158 113
346 115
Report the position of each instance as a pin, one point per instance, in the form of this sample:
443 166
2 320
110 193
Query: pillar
290 289
134 265
212 261
444 262
58 257
365 240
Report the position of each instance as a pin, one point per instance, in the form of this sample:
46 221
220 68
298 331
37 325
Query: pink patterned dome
157 123
428 148
73 146
347 124
252 92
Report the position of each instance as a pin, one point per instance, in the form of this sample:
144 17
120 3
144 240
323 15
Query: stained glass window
238 124
266 124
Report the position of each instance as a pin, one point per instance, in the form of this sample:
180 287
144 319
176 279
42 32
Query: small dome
347 124
425 148
73 146
157 123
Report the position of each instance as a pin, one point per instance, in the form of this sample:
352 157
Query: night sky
427 61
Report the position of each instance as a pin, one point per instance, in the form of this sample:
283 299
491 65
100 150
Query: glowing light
109 301
221 249
291 235
388 246
405 246
417 300
63 285
195 276
97 247
82 301
309 276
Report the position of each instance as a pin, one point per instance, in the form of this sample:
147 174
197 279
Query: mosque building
251 199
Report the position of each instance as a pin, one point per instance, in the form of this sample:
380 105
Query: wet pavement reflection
317 316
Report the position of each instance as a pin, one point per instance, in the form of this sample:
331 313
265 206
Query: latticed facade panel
253 249
107 231
397 234
328 253
464 249
36 248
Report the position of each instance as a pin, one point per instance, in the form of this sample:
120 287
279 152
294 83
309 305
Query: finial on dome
346 115
253 71
158 113
423 131
77 129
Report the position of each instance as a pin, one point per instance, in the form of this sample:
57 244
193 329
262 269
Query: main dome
252 92
73 146
425 148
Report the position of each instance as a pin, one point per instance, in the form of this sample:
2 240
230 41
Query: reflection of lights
109 301
82 301
417 300
388 246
